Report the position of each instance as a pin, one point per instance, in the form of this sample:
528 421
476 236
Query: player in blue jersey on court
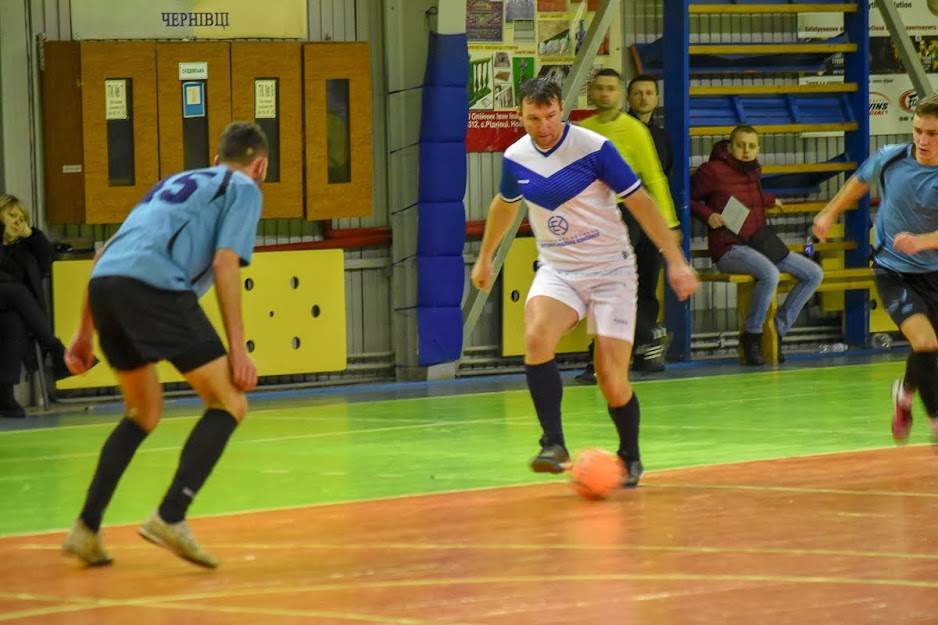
571 178
191 230
905 253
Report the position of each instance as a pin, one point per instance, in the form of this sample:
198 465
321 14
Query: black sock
627 419
199 456
921 373
546 388
116 454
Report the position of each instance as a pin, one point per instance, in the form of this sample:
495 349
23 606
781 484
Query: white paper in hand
734 214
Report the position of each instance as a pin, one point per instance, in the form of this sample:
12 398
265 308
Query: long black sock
199 456
921 372
627 419
116 454
546 388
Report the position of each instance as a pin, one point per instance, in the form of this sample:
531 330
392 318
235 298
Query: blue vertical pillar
857 144
676 121
441 218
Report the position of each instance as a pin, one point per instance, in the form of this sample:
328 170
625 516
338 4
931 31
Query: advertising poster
511 41
892 96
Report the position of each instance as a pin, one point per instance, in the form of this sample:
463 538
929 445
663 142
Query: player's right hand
482 275
79 357
243 370
821 226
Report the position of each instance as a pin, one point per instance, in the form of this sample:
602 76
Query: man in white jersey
191 230
571 178
905 253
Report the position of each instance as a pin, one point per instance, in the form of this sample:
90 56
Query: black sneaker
9 407
636 471
552 459
588 376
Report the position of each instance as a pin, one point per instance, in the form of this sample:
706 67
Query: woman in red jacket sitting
733 171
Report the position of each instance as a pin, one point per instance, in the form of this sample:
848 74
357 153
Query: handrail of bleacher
711 7
805 56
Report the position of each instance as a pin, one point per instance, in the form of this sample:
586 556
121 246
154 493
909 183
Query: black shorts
139 324
907 294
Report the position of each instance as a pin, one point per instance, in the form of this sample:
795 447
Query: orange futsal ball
596 474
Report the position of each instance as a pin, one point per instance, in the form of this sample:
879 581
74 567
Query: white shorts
606 296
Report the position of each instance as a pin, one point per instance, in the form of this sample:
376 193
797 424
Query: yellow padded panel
517 275
833 301
287 290
880 321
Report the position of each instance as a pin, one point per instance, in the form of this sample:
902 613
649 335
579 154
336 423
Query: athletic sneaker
588 376
85 544
902 416
636 471
177 537
552 459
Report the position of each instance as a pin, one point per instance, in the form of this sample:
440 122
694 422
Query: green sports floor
346 444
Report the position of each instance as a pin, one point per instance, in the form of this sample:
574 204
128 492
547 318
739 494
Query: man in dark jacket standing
733 171
642 94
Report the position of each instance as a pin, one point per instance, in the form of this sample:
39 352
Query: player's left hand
683 280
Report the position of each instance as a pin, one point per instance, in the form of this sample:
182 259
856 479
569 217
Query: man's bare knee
237 406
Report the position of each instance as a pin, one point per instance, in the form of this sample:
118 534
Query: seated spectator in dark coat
25 258
734 171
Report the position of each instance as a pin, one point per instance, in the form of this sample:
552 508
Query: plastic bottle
882 340
809 246
833 348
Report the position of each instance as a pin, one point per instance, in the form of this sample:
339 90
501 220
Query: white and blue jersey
170 238
571 192
909 203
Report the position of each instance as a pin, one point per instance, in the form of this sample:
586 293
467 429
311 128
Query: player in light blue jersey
571 178
905 253
191 230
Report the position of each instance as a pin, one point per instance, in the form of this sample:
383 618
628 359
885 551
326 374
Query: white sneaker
86 545
178 538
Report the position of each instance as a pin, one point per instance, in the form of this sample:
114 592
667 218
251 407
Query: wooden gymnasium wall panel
338 130
267 88
103 65
61 119
186 124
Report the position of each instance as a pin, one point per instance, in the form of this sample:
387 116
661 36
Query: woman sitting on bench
733 171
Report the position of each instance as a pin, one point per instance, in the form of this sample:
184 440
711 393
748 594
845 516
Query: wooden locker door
134 62
351 62
217 97
281 62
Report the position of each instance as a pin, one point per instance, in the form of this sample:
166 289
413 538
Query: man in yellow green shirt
636 145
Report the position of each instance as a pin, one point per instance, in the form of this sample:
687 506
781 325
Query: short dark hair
642 78
743 129
927 106
539 91
607 71
241 143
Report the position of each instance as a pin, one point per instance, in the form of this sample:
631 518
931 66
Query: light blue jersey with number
170 238
909 203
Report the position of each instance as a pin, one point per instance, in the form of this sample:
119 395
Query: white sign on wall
192 19
892 96
115 99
